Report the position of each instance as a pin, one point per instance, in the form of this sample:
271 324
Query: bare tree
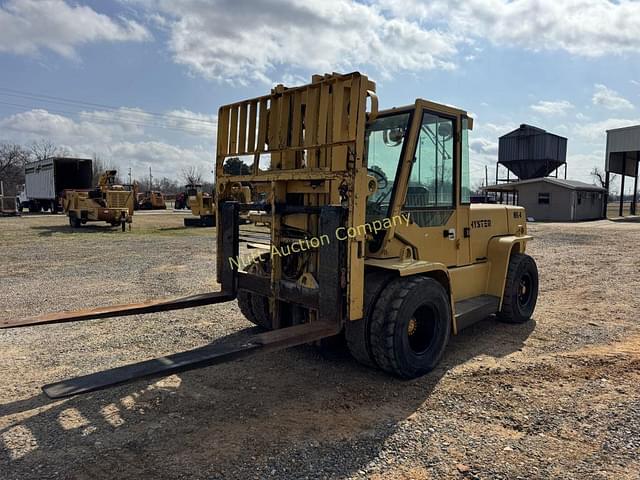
192 175
43 149
12 160
100 166
168 186
601 177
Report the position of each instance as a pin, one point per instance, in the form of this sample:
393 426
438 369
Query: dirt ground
558 397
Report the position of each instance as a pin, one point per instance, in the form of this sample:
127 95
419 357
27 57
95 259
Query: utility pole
150 179
130 182
486 184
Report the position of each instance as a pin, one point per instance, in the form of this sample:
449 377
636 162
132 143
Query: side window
544 198
431 194
466 176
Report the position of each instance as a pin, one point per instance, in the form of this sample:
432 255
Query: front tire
520 289
410 327
74 221
255 307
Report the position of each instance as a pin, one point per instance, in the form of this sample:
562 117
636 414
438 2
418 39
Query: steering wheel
380 176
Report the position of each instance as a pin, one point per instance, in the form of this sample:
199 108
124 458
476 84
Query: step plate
475 309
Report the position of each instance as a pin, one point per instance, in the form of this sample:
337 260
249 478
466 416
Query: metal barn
555 199
623 158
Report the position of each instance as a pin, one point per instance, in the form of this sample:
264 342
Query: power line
96 117
61 100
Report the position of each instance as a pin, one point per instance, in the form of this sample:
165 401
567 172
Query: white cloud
552 108
581 27
29 26
610 99
484 146
241 41
595 132
124 138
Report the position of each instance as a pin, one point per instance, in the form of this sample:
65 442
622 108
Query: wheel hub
412 326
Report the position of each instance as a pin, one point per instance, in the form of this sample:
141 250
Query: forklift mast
302 150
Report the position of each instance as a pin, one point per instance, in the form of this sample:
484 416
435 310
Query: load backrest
301 147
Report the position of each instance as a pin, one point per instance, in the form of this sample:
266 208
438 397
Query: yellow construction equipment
203 208
108 202
371 234
150 200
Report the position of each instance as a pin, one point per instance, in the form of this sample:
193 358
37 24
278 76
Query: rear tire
410 327
520 289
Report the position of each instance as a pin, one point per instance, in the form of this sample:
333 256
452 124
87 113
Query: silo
531 152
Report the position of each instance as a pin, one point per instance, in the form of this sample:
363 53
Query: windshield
383 142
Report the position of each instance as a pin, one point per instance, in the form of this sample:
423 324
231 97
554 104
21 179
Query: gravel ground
557 397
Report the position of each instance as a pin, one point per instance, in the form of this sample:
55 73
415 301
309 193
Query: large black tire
255 307
410 326
520 289
358 332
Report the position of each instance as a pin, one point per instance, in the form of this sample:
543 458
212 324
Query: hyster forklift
371 235
107 202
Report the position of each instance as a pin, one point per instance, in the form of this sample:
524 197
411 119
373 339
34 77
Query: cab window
430 196
384 139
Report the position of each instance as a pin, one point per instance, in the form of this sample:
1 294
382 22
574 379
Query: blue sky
571 67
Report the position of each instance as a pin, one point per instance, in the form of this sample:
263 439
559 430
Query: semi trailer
46 180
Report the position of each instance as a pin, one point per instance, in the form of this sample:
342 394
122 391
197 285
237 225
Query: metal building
555 199
531 152
623 158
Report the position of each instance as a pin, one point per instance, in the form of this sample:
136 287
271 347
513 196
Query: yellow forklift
371 238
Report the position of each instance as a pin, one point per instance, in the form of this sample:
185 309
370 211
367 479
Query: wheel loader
371 235
108 202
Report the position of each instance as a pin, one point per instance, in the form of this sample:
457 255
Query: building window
579 198
544 198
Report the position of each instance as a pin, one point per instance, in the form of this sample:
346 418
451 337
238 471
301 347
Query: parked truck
45 180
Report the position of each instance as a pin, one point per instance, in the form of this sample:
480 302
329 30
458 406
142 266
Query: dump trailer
107 202
371 236
46 180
